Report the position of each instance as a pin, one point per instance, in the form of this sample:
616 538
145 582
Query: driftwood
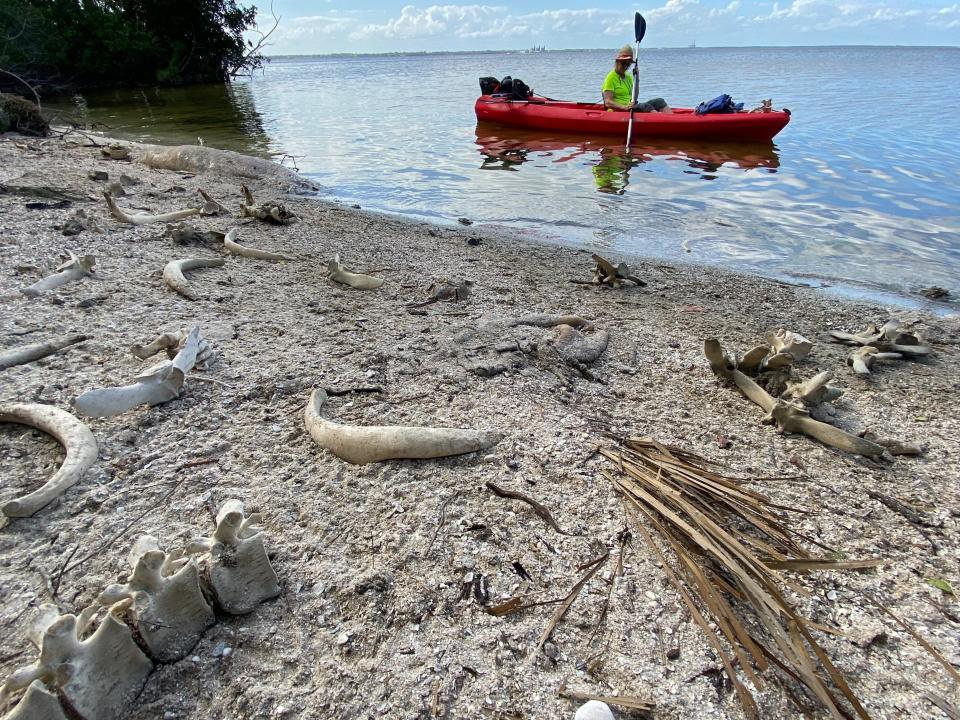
77 440
28 353
605 273
361 445
173 274
144 219
232 246
76 267
787 416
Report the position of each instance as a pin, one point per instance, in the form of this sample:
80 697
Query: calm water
861 188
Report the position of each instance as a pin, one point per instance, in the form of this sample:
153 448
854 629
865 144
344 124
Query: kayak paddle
639 30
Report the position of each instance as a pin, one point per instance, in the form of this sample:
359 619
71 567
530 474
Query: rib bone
355 280
75 268
76 438
173 274
863 358
143 219
884 339
231 244
29 353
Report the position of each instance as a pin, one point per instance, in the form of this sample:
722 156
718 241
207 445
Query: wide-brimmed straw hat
626 53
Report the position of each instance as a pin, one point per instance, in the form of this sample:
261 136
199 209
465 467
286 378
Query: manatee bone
606 273
814 391
545 320
167 608
37 703
577 348
336 272
863 358
116 152
97 678
785 342
268 212
157 385
446 291
886 339
361 445
77 440
173 342
211 206
788 417
173 274
144 219
28 353
238 571
232 246
75 268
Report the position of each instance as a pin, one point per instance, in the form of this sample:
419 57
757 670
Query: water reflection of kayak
511 146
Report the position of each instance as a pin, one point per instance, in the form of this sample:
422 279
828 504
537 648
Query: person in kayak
618 87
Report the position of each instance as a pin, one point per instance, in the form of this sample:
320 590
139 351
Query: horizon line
527 51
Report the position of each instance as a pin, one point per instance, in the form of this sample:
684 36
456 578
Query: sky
364 26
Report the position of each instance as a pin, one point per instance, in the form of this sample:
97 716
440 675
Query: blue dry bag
720 104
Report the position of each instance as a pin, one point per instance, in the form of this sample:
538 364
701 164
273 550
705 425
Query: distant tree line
70 44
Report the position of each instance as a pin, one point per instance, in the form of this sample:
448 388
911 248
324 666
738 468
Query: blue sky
332 26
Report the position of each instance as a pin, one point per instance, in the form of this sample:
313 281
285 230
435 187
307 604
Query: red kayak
592 118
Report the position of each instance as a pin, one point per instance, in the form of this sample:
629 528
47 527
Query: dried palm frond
729 545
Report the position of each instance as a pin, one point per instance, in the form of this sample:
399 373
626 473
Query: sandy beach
379 615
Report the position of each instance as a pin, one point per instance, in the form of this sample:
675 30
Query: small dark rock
673 653
513 463
465 221
935 292
355 206
126 180
723 442
98 175
59 205
474 241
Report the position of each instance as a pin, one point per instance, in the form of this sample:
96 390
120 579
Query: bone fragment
606 273
28 353
575 347
173 274
355 280
77 440
785 342
211 206
167 609
116 152
814 391
239 570
545 320
862 359
361 445
144 219
446 291
157 385
37 703
886 338
788 418
268 212
232 246
75 268
173 342
97 678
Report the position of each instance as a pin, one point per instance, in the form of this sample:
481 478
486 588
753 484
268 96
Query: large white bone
38 703
77 440
168 609
361 445
75 268
886 339
239 571
232 246
814 391
28 353
157 385
97 678
785 342
862 358
143 219
173 342
355 280
173 274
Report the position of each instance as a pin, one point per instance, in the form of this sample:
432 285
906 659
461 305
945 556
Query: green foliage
88 43
941 585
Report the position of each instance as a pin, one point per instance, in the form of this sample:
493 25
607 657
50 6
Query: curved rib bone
355 280
173 274
76 438
28 353
75 268
98 677
240 573
157 385
231 244
885 339
168 609
143 219
361 445
863 358
787 417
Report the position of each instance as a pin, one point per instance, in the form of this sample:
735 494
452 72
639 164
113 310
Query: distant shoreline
523 51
